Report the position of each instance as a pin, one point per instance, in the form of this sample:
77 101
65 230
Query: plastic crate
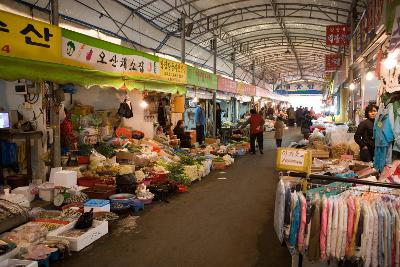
100 191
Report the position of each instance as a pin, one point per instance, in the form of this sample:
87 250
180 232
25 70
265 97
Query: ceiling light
370 75
195 99
352 86
144 104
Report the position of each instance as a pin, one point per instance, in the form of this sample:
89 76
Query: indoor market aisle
225 220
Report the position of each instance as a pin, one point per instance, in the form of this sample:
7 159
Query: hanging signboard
105 58
226 85
85 51
173 71
292 159
332 62
395 37
245 89
201 78
29 39
371 24
337 35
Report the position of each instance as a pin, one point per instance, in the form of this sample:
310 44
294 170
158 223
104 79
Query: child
279 125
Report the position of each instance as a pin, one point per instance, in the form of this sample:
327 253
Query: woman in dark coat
179 131
364 135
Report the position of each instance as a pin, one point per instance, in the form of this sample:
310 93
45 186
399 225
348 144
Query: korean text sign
337 35
78 53
333 62
291 159
30 39
226 85
173 71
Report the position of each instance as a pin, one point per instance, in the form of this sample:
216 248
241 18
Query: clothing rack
313 177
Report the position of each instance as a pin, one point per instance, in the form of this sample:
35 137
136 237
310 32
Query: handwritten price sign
291 159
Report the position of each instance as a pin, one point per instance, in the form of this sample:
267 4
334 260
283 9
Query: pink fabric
324 227
303 213
351 212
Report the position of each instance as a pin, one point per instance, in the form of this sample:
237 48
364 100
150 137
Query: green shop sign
201 78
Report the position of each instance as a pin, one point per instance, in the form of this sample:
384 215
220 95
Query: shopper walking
305 126
270 113
364 135
256 122
200 120
291 116
299 116
279 127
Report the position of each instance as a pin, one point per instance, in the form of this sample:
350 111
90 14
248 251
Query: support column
183 39
215 92
253 72
54 105
363 83
234 104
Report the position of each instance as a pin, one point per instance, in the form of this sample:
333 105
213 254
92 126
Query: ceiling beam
281 23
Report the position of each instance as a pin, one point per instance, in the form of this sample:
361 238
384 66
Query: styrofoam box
26 191
47 194
10 254
97 205
65 178
15 262
78 243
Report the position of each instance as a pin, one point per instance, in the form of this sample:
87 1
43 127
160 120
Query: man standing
256 122
200 120
291 115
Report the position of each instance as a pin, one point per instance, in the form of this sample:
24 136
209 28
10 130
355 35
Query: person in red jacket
256 122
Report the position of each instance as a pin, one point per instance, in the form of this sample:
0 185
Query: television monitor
4 120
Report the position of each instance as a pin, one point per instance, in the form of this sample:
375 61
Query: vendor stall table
27 136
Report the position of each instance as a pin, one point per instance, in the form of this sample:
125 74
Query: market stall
118 152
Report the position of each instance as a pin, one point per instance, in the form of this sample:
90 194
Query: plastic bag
125 110
85 220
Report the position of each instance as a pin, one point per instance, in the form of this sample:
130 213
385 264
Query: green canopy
12 69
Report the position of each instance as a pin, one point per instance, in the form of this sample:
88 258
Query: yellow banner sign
292 159
173 71
29 39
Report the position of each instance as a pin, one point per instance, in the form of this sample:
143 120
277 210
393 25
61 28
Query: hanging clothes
383 135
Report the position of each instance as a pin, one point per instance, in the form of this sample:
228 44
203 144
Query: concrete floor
219 222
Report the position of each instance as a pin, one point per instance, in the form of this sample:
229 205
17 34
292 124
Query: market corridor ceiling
285 38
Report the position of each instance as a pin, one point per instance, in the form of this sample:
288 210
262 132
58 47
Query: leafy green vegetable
106 150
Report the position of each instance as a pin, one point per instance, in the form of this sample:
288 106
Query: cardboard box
321 154
125 157
210 141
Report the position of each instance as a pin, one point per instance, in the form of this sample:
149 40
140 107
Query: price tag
292 159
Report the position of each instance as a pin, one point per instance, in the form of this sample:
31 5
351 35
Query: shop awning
12 69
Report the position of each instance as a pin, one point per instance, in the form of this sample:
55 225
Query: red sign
332 62
226 85
337 35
